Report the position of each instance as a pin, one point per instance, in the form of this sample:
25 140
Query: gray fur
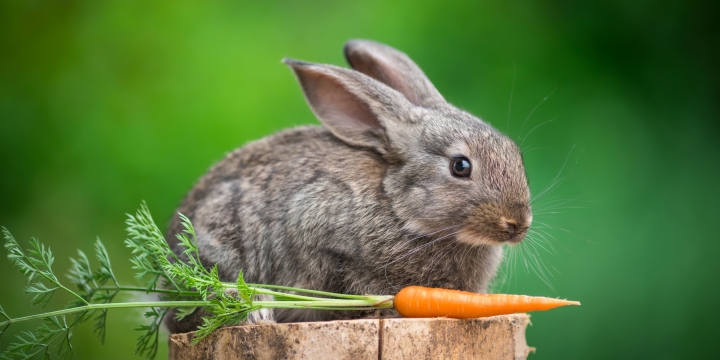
367 203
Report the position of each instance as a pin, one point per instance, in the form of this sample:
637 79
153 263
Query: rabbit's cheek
468 236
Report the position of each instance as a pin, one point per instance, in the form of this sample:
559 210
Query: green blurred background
104 104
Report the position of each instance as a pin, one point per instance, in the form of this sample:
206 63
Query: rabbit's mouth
472 237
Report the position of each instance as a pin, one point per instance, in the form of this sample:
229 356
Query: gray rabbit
397 188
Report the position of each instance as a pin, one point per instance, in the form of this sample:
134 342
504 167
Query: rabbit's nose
510 226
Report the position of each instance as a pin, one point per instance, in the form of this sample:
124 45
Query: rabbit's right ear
393 68
354 107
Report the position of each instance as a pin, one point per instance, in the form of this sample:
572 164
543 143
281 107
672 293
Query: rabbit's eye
460 166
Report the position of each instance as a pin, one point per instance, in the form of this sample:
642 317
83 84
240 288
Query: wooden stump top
497 337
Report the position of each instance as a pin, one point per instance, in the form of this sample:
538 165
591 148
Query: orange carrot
418 301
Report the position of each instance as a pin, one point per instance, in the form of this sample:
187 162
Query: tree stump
497 337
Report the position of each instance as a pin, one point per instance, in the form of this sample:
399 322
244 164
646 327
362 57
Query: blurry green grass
104 104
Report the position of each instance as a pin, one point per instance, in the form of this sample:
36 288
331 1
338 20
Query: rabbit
396 188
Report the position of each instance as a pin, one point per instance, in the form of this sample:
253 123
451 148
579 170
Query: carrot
418 301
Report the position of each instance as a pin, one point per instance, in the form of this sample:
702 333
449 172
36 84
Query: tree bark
497 337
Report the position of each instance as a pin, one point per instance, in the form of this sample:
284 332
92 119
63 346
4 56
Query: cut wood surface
497 337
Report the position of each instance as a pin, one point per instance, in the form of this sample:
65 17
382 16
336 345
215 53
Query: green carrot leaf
54 333
182 313
36 264
147 342
81 274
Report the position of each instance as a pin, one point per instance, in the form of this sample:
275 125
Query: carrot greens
180 282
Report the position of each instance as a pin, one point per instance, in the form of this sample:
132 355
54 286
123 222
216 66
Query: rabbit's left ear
356 108
394 69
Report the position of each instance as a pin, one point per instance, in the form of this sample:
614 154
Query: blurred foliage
106 103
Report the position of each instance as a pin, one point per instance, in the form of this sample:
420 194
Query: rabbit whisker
413 252
556 181
436 259
426 235
533 129
536 107
422 247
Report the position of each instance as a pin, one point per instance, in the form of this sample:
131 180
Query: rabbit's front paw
262 316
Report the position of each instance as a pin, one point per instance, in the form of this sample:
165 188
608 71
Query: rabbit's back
285 208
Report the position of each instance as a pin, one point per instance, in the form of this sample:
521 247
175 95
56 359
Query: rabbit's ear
393 68
356 109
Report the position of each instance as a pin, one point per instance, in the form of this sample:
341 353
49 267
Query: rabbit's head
448 172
